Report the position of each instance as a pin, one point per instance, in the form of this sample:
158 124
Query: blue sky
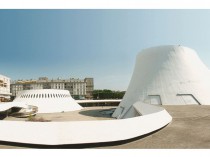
94 43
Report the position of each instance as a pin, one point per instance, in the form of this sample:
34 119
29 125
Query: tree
108 94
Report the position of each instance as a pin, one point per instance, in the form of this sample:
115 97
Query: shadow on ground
98 113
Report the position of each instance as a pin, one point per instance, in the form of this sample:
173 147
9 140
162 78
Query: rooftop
86 114
188 129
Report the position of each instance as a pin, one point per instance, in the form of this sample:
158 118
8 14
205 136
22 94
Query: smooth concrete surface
166 75
190 128
86 114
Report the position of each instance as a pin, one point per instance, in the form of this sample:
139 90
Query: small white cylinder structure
49 100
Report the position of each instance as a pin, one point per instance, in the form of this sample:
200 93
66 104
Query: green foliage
108 94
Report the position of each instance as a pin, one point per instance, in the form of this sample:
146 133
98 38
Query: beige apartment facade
4 88
78 88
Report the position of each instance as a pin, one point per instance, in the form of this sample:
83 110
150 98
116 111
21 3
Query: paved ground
86 114
190 128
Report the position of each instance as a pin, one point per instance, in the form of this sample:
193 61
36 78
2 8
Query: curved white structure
49 100
167 75
82 132
135 117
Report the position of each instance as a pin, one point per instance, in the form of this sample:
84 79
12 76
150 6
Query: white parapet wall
81 132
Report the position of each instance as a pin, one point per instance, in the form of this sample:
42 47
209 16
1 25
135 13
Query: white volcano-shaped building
167 75
49 100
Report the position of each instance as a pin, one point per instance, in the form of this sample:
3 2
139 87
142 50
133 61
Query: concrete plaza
190 128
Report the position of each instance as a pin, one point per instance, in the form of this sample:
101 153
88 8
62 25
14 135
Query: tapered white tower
166 75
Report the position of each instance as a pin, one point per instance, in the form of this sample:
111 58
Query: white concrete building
134 117
49 100
166 75
4 88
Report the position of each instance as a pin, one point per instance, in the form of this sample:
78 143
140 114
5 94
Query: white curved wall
81 132
49 100
167 75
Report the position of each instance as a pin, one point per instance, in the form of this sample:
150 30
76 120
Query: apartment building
78 88
4 88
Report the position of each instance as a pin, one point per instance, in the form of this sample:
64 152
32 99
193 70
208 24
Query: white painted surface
49 100
167 71
155 100
8 105
78 132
